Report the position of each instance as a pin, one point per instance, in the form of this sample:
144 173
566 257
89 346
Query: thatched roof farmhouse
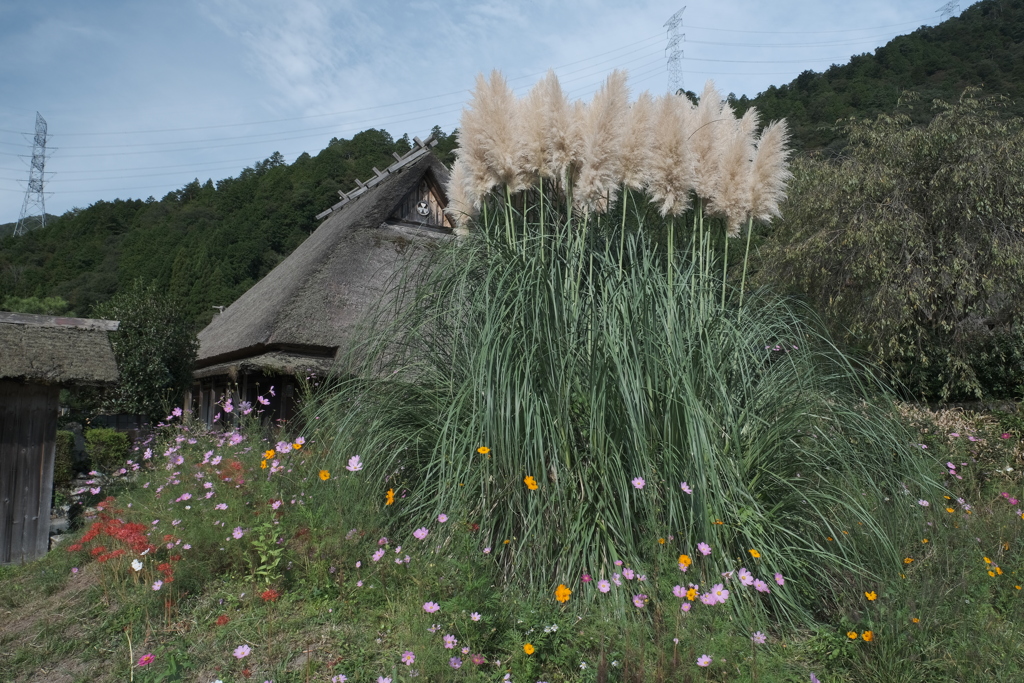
40 354
294 320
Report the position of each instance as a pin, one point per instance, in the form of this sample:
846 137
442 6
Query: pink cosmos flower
617 579
604 586
487 551
759 638
640 600
465 650
679 591
176 412
628 574
242 651
220 506
704 548
354 464
158 584
1004 435
450 641
431 607
923 503
408 658
638 483
421 533
704 660
685 487
455 662
779 580
383 541
761 586
478 659
685 607
146 659
442 518
237 533
745 577
475 616
587 578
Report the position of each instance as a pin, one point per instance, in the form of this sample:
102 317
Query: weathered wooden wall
28 433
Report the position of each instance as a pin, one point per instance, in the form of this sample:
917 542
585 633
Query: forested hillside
983 47
209 241
205 243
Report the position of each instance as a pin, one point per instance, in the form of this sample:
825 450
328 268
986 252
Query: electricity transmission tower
34 196
675 51
949 9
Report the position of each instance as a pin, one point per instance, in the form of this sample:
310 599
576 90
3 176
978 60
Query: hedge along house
40 355
291 324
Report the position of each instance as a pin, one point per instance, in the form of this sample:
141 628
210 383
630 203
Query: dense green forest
207 242
983 47
204 244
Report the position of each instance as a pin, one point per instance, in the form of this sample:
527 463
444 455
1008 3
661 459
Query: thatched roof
312 301
53 350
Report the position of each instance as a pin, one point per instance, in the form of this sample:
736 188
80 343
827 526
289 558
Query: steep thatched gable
310 303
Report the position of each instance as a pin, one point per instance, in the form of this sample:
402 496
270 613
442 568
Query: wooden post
28 435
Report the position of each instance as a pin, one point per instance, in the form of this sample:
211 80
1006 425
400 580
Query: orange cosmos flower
868 636
389 497
531 483
325 475
870 595
529 649
562 593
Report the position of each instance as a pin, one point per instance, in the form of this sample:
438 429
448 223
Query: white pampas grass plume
770 171
670 174
488 138
460 207
601 129
546 130
636 142
733 196
715 122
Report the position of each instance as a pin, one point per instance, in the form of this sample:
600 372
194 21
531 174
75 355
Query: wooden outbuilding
39 355
291 324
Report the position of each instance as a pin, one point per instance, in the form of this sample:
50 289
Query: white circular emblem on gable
423 207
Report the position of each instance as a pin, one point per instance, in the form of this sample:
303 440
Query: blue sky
142 97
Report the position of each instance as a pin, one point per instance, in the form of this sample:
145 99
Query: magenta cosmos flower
146 659
431 607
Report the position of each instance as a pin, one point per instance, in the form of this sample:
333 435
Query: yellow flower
852 635
691 594
1006 546
531 483
661 541
987 561
754 554
1017 587
868 636
685 560
924 540
915 620
870 595
263 464
999 571
389 497
325 475
828 538
267 455
991 573
507 541
947 497
483 450
907 560
296 446
949 510
529 649
562 593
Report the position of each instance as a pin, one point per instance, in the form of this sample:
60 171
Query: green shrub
63 459
107 449
911 247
